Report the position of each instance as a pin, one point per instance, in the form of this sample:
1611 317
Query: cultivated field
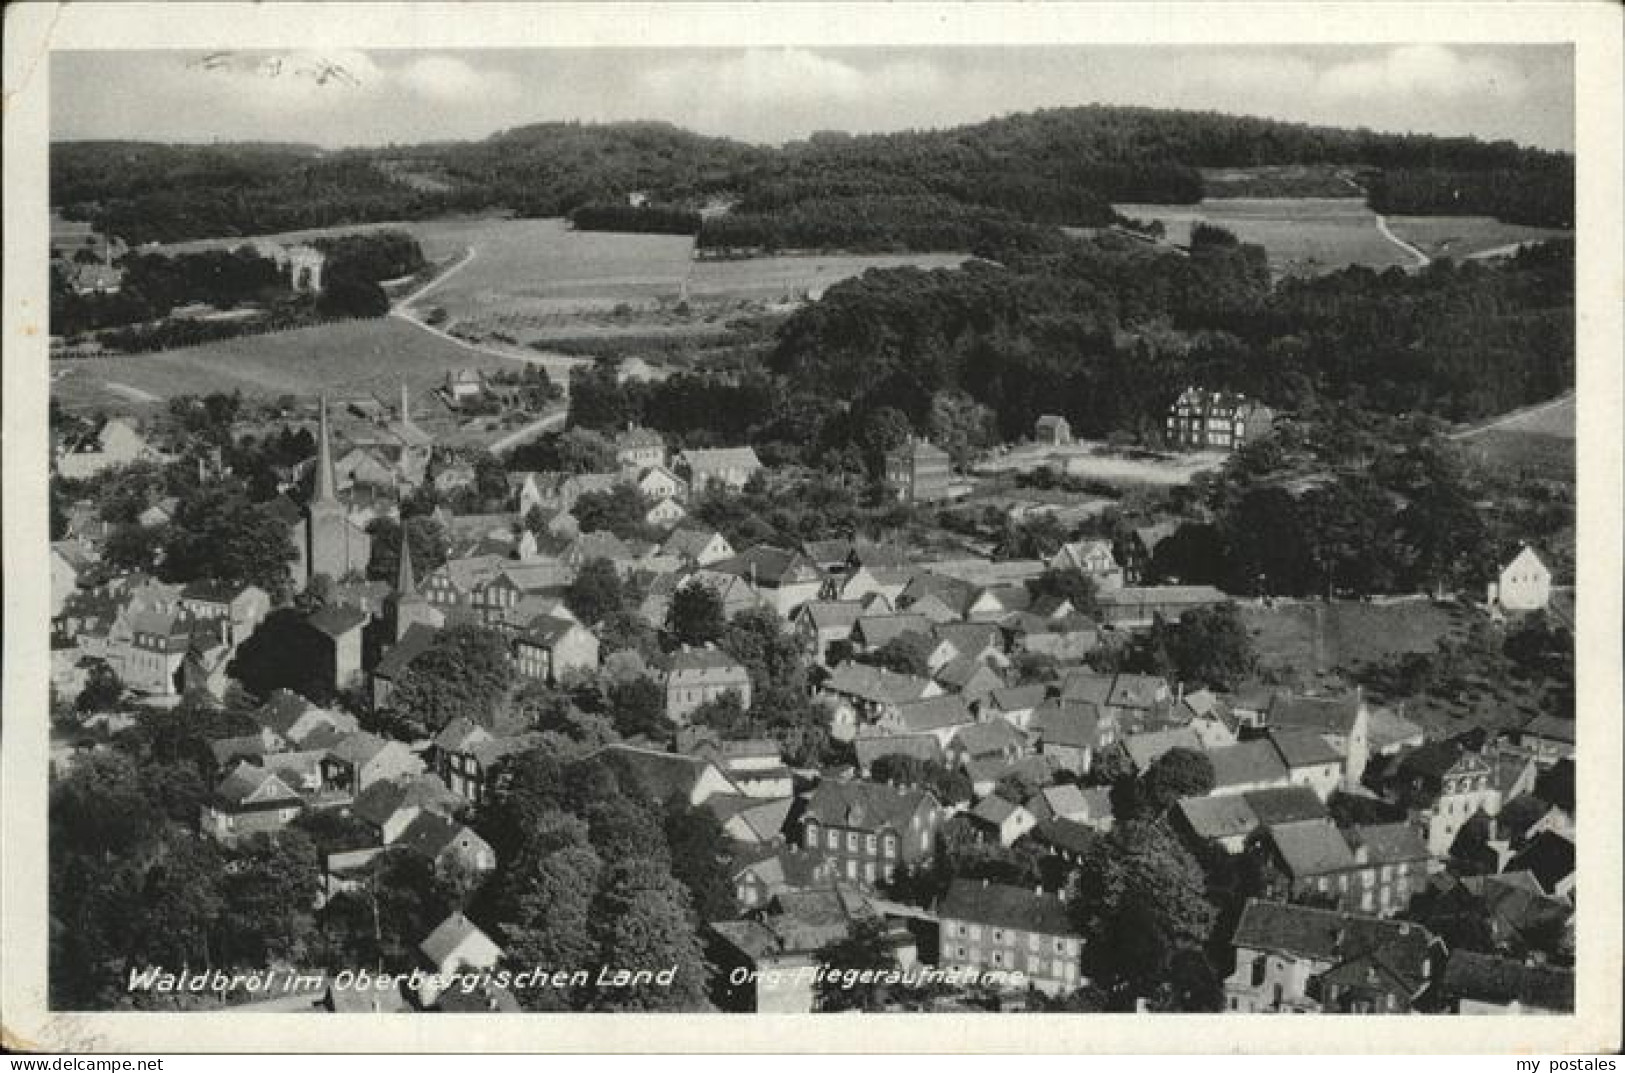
1314 637
361 355
1537 441
1303 236
1462 237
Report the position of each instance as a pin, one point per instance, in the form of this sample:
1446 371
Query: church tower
334 546
406 605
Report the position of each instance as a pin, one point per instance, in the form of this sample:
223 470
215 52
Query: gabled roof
658 775
999 905
245 780
1389 843
1066 799
718 458
979 739
1549 856
361 748
1303 748
1329 715
1285 804
417 640
832 614
876 684
1502 981
378 802
336 620
1018 698
430 834
453 934
1067 722
1311 848
765 565
1330 936
961 672
864 805
764 817
705 662
1144 749
1246 762
994 809
878 630
934 713
1221 816
687 542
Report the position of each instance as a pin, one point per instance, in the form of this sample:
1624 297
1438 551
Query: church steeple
326 483
405 583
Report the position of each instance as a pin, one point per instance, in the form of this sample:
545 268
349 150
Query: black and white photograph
1024 527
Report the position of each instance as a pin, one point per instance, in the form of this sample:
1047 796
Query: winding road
1422 259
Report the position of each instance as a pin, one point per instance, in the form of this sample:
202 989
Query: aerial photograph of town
1028 530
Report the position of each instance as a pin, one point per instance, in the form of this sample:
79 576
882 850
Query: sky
770 95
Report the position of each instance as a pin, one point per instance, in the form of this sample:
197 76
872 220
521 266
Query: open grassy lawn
1460 237
1303 236
350 356
1313 637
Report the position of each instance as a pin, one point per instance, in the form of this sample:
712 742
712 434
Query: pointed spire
405 583
326 483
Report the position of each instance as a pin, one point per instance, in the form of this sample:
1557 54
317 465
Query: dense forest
1055 166
155 284
1106 332
645 219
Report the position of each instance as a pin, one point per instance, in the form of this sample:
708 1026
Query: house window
869 871
959 952
1260 967
998 935
835 840
869 844
852 869
963 931
1032 942
998 957
852 841
891 845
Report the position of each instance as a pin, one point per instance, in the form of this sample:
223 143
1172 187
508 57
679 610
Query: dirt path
468 256
1565 399
530 431
133 393
1422 259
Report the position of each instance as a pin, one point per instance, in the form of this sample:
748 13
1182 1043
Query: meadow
1462 237
343 357
1303 236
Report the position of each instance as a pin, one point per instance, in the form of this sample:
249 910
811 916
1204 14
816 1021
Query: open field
361 355
1537 441
1312 636
1096 461
1461 237
1303 236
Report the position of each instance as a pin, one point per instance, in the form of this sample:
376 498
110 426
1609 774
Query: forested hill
1062 165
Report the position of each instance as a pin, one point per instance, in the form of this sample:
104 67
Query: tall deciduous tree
641 922
467 672
696 615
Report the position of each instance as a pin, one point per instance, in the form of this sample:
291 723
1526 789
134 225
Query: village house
1216 420
388 806
1486 985
1230 820
638 448
1371 869
918 472
941 716
970 679
821 623
782 580
768 871
658 482
868 830
696 676
360 759
1071 732
1311 760
995 927
927 748
1524 584
697 547
456 946
241 608
660 776
1296 959
115 443
250 800
755 765
863 695
1088 806
726 467
1014 704
1066 640
550 648
1448 784
465 756
1052 430
1093 559
451 848
1138 550
1343 721
780 942
1001 821
870 633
